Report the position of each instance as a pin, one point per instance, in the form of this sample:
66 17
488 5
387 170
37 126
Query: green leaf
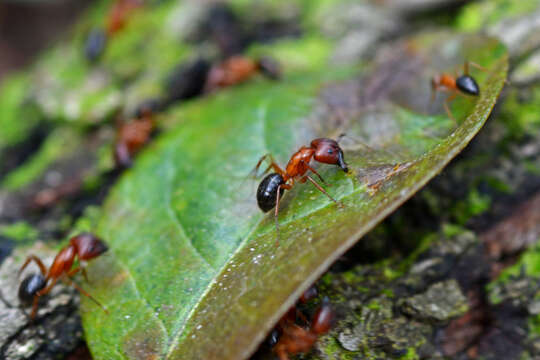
73 90
61 141
12 96
194 271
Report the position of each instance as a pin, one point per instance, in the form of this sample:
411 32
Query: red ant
293 312
85 246
119 14
273 186
289 338
238 69
116 20
464 85
132 136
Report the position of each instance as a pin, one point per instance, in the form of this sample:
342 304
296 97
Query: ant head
88 246
30 286
328 151
467 85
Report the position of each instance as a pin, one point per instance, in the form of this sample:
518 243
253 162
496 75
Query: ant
273 186
119 14
290 338
85 246
95 43
133 135
117 19
238 69
463 84
293 312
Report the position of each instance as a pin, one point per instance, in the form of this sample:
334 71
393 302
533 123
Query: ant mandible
464 85
85 246
291 338
273 186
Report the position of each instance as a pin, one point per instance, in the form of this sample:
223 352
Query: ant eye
330 151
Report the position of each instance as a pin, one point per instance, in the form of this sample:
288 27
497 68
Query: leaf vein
176 220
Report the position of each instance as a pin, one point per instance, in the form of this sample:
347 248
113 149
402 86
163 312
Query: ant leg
267 169
445 104
276 212
73 271
273 165
434 89
48 288
256 168
313 171
276 216
85 293
277 169
85 275
34 307
38 261
122 156
76 270
480 67
322 190
474 65
358 143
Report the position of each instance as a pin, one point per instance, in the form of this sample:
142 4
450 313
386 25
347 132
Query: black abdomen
267 191
95 44
467 85
30 286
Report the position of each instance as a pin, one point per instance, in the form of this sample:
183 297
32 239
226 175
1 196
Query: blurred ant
186 81
85 246
293 312
464 85
289 338
116 20
238 69
273 186
133 135
95 44
119 14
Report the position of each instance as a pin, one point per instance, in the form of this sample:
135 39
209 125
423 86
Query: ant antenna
354 140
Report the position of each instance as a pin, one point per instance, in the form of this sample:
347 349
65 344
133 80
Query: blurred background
28 27
480 218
